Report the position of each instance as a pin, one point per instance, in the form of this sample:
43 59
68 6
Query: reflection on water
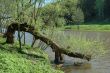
99 65
29 37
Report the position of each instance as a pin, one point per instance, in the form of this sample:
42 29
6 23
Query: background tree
62 12
99 5
54 13
107 9
88 9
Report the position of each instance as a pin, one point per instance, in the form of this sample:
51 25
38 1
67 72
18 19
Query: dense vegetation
13 62
57 13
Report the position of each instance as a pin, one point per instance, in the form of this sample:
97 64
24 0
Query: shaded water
99 65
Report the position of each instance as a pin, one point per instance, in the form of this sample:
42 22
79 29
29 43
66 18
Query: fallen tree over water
30 29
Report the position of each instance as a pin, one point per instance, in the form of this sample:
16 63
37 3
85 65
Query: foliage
14 62
72 12
100 7
55 13
107 9
50 15
88 8
62 12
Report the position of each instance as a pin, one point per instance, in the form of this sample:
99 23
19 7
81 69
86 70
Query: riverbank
31 61
90 27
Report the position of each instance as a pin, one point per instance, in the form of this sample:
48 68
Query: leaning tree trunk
30 29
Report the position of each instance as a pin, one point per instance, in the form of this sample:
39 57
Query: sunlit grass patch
13 62
89 27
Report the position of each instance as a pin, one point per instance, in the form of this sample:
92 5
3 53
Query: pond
98 65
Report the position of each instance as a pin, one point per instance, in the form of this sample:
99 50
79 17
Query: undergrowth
13 62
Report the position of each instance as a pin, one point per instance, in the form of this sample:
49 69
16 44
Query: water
98 65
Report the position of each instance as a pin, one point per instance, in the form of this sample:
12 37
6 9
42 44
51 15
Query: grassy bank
90 27
13 62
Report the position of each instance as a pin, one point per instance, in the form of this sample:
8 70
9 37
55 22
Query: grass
90 27
13 62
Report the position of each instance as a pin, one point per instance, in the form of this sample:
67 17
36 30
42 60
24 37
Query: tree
21 11
88 9
99 6
62 12
51 15
107 9
73 13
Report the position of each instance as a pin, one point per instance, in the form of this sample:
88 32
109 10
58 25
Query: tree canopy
55 12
